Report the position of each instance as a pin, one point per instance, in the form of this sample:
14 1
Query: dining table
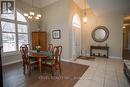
40 56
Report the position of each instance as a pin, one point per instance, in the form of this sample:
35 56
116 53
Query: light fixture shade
36 17
124 26
29 17
25 14
39 15
85 19
32 13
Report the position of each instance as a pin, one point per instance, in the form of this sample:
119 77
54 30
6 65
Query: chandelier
32 15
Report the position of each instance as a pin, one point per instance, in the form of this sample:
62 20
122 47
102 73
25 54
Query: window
76 21
8 36
20 17
8 16
14 31
22 33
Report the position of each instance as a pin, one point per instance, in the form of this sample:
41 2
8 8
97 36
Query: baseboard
113 57
21 61
65 60
87 54
16 61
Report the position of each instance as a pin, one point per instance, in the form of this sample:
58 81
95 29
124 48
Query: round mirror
100 34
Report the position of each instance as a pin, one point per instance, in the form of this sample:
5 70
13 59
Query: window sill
11 53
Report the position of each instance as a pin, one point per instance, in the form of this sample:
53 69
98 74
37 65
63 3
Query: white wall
56 18
74 9
114 23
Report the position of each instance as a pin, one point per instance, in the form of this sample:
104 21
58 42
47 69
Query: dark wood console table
105 48
1 75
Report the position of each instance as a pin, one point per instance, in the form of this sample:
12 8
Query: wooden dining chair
49 51
27 63
59 55
29 46
55 59
29 49
50 47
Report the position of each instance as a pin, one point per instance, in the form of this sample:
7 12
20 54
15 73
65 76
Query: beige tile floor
102 73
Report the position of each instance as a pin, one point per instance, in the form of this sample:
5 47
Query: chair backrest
29 46
60 50
24 53
57 50
50 47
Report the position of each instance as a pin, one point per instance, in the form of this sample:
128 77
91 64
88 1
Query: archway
76 36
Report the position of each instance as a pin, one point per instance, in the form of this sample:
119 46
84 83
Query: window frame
16 22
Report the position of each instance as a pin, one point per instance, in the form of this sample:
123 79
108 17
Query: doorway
126 38
76 37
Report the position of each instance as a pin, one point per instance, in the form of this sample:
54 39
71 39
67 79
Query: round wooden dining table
39 55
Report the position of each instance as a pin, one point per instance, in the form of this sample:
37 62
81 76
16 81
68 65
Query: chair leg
52 71
24 68
29 70
60 68
56 68
27 67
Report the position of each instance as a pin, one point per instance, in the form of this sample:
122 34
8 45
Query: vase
38 50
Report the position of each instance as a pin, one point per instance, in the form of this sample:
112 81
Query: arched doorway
76 36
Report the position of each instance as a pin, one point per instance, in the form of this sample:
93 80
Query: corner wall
13 57
74 9
58 16
114 23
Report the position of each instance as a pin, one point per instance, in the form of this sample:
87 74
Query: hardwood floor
71 73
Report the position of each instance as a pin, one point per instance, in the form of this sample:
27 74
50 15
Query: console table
1 76
105 48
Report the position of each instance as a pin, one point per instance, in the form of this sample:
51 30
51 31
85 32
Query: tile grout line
91 78
117 77
105 71
107 63
93 75
84 72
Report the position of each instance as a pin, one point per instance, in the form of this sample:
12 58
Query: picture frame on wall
56 34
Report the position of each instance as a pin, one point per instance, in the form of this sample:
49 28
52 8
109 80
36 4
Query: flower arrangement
38 48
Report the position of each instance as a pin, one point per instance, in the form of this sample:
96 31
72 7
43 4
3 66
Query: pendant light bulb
32 13
25 14
85 20
39 15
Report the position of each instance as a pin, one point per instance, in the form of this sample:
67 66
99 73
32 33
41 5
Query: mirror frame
106 36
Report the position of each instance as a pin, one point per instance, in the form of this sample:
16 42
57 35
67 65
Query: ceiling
40 3
81 3
99 7
43 3
127 18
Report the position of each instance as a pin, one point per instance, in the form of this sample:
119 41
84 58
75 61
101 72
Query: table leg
40 68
